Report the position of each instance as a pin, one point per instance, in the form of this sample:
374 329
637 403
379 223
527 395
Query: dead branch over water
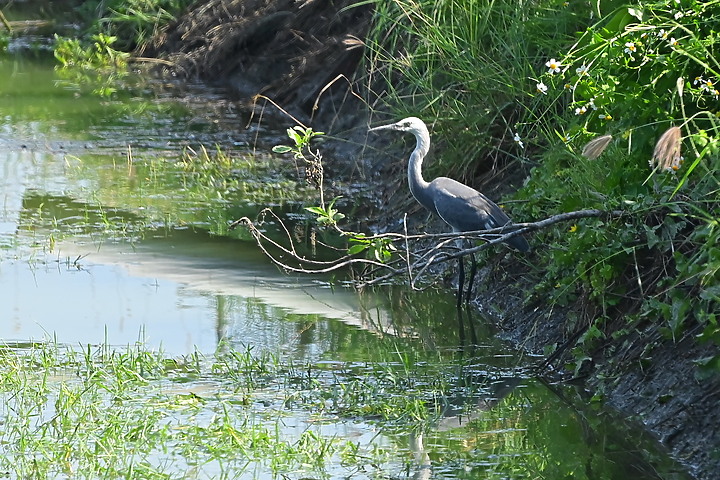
413 263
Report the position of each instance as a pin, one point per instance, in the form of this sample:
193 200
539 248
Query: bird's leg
471 326
461 282
461 328
473 271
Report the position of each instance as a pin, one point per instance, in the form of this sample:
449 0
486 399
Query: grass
98 412
463 66
126 200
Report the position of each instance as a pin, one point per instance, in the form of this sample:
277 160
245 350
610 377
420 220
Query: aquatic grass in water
127 201
125 412
101 411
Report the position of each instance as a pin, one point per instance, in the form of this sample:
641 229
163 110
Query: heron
462 207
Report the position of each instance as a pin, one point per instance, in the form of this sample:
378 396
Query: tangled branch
408 261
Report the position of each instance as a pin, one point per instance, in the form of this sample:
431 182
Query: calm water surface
105 243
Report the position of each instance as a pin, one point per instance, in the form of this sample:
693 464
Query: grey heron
463 208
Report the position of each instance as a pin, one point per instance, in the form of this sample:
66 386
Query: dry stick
270 100
518 229
287 232
5 22
328 266
328 85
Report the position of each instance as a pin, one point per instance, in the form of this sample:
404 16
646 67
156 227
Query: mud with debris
307 58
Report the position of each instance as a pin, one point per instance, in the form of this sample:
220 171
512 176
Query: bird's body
462 207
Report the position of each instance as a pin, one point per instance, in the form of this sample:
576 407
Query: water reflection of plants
203 188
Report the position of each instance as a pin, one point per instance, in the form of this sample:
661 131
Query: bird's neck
418 185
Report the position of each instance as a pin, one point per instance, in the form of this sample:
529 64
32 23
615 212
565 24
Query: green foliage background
479 72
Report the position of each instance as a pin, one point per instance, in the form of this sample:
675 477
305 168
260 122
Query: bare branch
416 264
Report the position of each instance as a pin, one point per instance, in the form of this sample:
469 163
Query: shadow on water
97 246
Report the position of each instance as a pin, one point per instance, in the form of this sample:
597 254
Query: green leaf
317 210
295 137
357 249
281 149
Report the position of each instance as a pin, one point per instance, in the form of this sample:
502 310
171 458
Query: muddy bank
308 58
651 380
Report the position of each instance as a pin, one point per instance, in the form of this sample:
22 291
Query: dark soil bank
307 58
302 55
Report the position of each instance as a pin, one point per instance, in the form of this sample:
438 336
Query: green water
113 229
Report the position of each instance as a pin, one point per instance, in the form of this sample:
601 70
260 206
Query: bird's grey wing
464 208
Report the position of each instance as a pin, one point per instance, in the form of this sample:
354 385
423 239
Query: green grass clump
98 58
634 74
97 64
133 22
126 413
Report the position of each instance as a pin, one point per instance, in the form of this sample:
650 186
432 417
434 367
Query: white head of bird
410 124
413 125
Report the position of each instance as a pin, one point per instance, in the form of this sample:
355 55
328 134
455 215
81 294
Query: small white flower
553 66
581 110
630 48
517 140
707 85
582 70
605 116
542 88
697 80
673 43
591 104
679 15
663 34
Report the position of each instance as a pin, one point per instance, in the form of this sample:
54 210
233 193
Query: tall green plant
634 73
464 65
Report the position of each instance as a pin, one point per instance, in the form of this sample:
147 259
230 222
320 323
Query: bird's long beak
382 127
